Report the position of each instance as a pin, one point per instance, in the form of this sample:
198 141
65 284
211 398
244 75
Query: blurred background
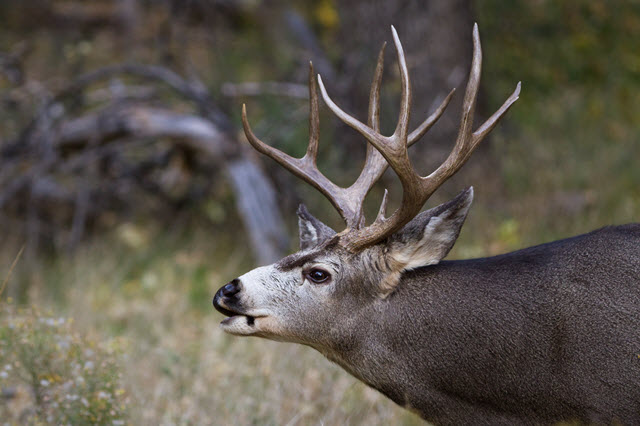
129 195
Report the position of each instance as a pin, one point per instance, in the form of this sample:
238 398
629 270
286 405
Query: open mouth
233 315
250 320
238 322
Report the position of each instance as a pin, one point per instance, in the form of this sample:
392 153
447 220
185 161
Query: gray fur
429 237
538 336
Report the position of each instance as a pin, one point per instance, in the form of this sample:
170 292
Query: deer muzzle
241 319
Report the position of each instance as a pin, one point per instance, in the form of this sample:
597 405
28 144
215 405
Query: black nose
225 296
231 288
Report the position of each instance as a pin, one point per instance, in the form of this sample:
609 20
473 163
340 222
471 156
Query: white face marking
255 285
273 302
252 289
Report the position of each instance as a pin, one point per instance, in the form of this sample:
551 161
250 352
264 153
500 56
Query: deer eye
318 275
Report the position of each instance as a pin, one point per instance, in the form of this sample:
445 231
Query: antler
348 201
383 151
417 189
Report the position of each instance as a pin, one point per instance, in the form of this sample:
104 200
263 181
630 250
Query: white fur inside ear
312 234
428 250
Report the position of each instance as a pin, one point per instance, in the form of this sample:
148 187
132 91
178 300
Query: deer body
546 334
541 335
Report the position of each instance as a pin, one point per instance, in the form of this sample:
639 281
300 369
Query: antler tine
492 121
285 160
467 140
461 149
426 125
374 164
402 128
306 168
350 121
394 147
314 118
383 206
374 94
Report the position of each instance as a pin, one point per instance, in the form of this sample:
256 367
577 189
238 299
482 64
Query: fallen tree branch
142 122
209 134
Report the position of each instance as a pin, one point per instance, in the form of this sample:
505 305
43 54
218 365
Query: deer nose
231 288
227 296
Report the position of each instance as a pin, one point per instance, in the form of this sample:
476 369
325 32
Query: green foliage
569 148
58 375
552 44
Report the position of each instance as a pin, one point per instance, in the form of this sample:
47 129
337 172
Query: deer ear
428 238
312 231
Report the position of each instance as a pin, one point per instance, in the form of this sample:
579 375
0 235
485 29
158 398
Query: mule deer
545 334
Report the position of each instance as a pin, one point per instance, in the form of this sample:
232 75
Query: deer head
338 281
